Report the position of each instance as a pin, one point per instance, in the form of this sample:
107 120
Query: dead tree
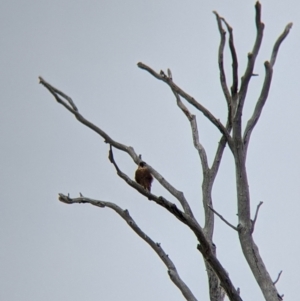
232 135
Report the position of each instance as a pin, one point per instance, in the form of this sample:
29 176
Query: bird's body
143 176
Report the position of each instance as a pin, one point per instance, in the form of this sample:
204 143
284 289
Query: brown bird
143 176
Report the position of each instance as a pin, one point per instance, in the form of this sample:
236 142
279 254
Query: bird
143 176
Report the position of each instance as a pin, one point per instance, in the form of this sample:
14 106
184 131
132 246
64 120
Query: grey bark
172 271
218 278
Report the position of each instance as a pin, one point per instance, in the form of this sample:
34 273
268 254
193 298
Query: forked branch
231 100
172 271
163 77
193 122
67 102
265 88
171 207
204 247
184 217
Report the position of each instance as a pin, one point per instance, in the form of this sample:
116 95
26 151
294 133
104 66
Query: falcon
143 176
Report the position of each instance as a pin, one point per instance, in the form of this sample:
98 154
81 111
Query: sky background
89 49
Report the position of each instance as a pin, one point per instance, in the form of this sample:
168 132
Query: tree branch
235 80
278 43
193 122
222 218
256 215
186 218
70 106
221 64
171 207
259 106
216 292
266 87
249 70
204 247
73 109
189 99
219 153
278 277
159 200
172 271
223 141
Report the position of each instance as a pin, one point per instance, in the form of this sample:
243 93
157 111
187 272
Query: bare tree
233 135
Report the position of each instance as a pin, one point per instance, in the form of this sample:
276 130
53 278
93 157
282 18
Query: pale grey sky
89 49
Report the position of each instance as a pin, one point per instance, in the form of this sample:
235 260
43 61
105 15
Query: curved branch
221 64
190 100
172 271
235 79
234 87
266 87
259 106
249 70
70 106
278 277
278 43
193 122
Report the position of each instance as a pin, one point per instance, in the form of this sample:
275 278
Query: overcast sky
89 49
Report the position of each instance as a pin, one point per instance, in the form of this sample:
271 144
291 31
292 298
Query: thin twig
172 271
71 107
235 79
278 277
256 215
222 218
55 91
221 63
193 122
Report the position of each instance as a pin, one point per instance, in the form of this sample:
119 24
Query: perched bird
143 176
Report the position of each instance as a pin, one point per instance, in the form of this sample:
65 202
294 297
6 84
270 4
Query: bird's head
142 164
